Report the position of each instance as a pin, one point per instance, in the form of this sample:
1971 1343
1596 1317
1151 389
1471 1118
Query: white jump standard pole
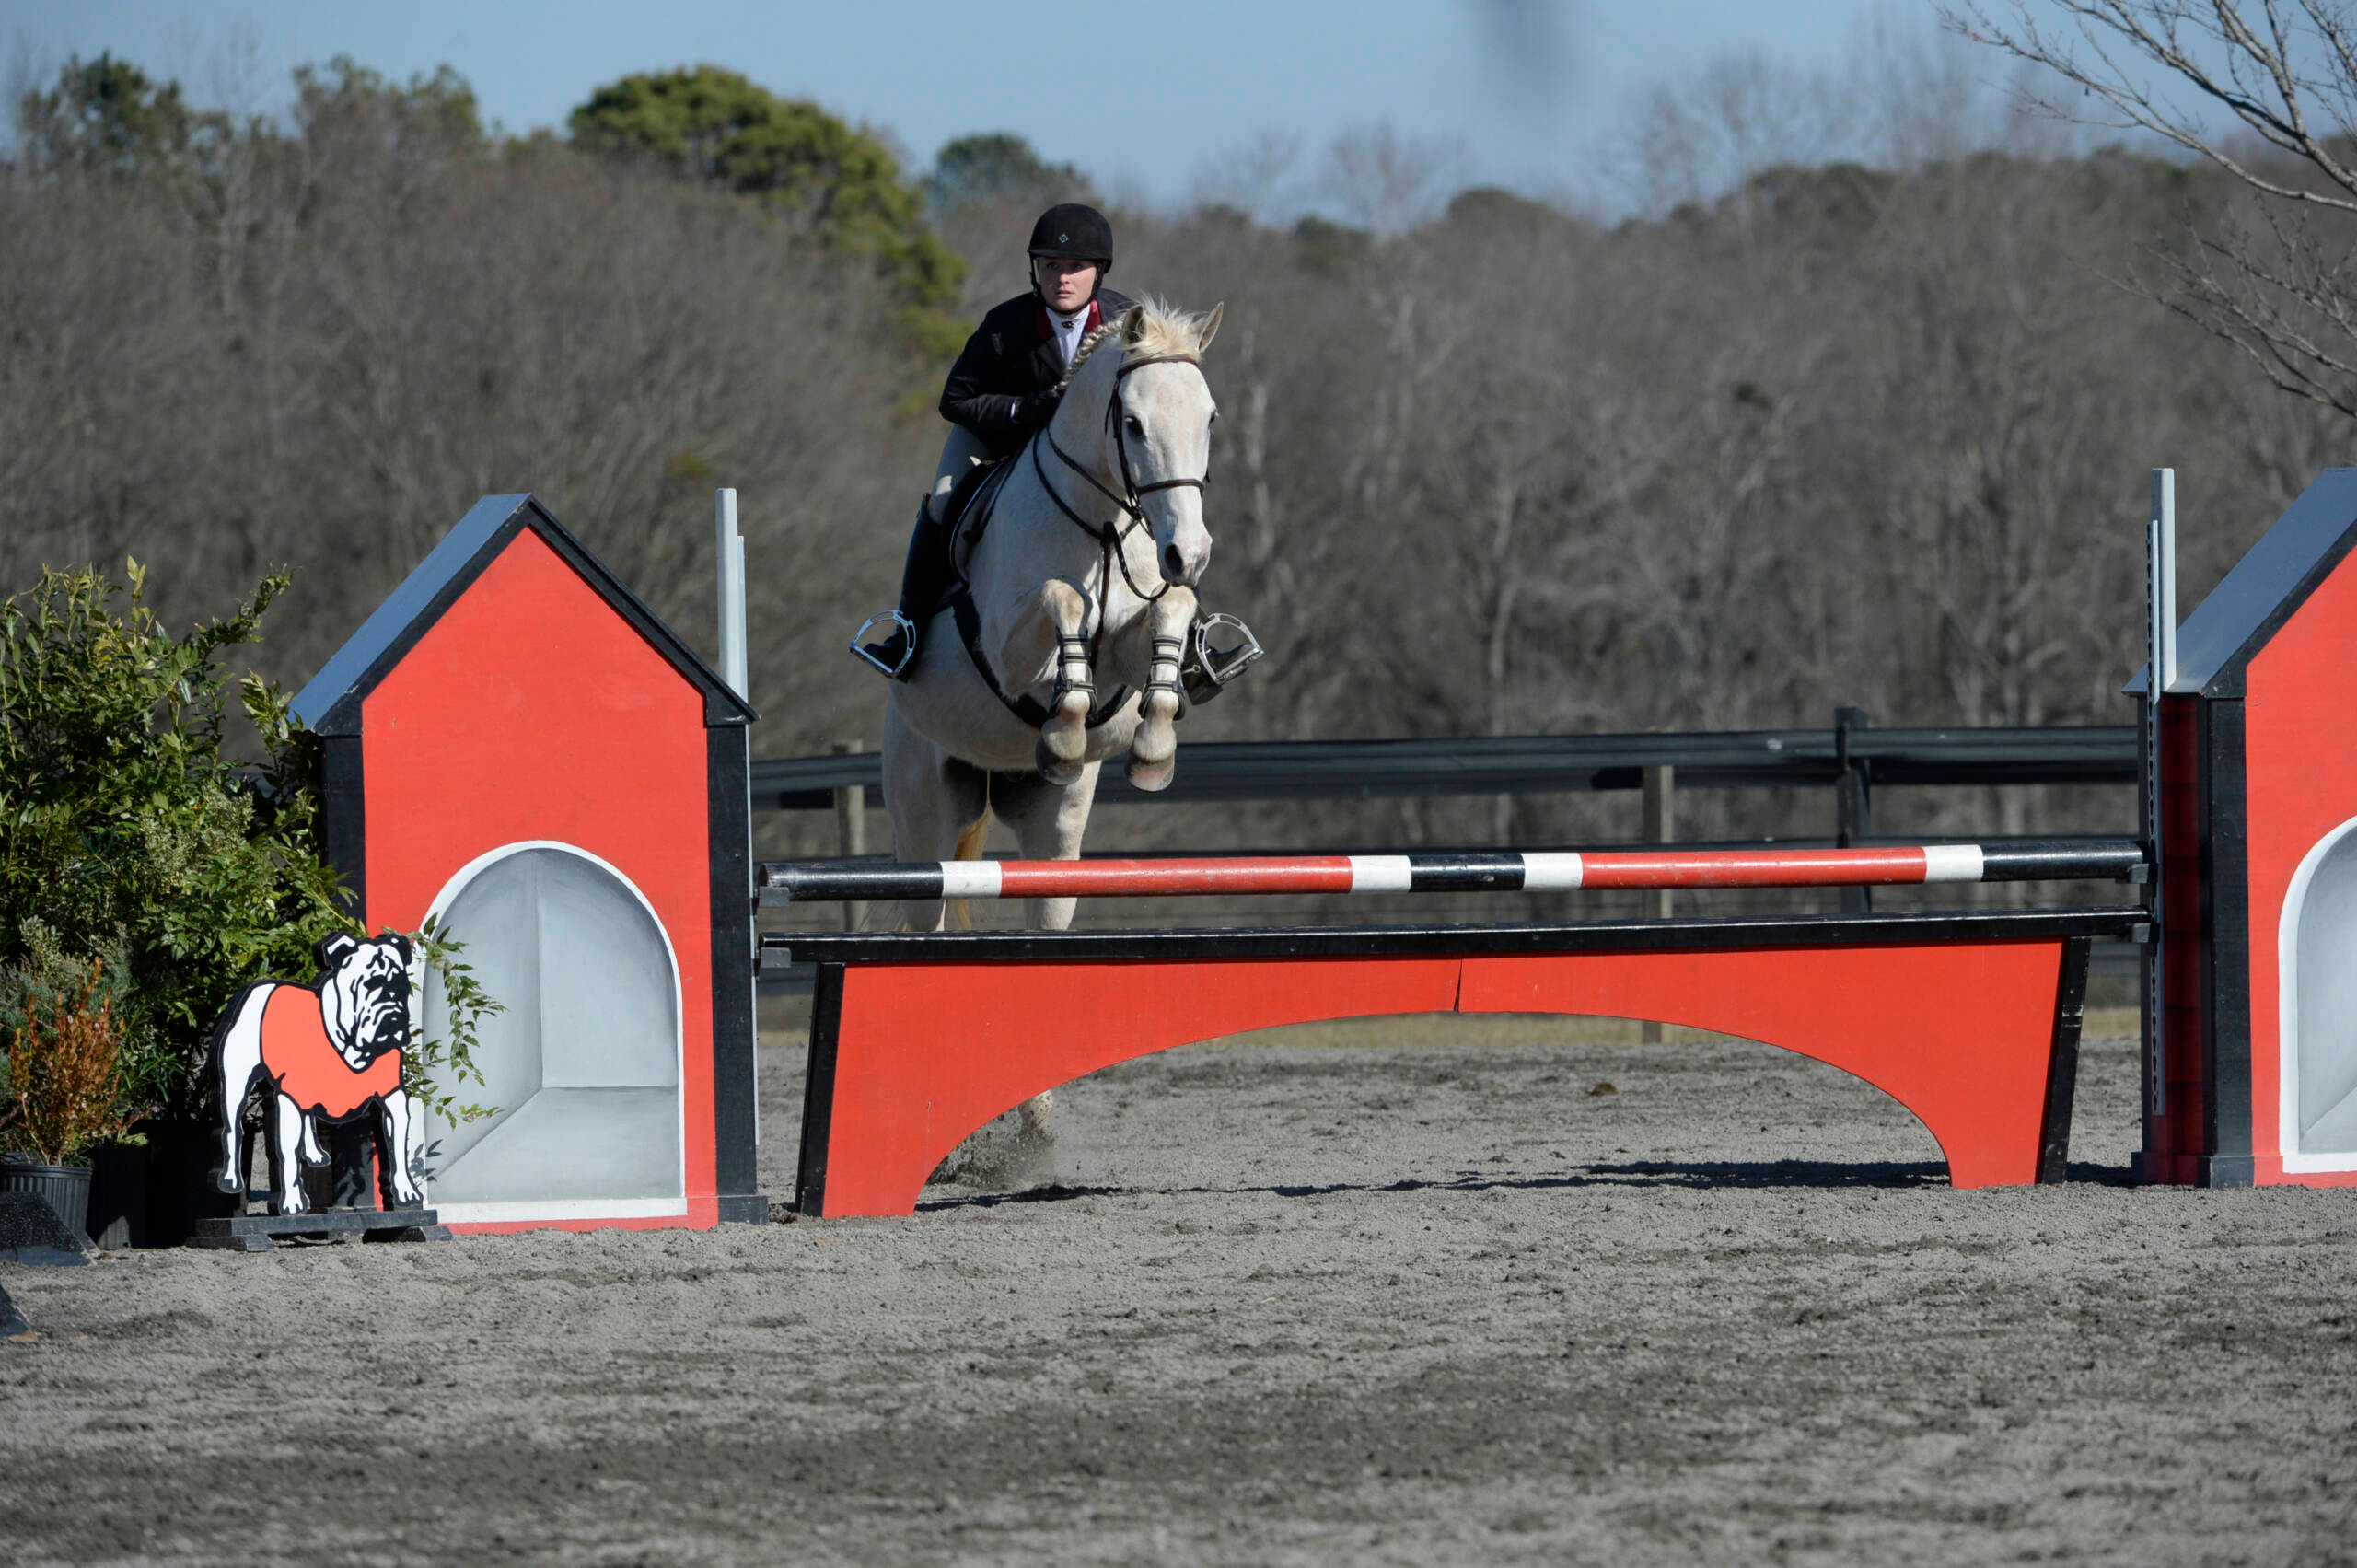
2160 674
729 556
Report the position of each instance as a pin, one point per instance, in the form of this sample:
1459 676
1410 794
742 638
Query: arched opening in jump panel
583 1064
2319 1007
1501 1102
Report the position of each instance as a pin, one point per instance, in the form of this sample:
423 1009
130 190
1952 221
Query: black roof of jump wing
329 705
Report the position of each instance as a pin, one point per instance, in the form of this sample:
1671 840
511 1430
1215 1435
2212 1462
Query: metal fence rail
1545 764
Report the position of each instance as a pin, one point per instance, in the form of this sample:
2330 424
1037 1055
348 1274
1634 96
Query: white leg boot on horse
1156 643
1050 640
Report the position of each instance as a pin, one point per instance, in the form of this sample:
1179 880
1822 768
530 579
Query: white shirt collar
1069 333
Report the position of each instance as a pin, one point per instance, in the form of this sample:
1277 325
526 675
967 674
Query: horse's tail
961 916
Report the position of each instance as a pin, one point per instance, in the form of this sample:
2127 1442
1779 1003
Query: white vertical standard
2165 598
2160 673
730 554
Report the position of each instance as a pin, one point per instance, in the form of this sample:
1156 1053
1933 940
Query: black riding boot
924 576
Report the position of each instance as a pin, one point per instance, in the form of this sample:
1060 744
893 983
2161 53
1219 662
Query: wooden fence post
1658 812
1854 817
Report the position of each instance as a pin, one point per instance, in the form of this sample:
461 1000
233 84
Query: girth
1023 705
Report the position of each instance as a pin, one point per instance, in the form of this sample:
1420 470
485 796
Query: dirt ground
1418 1291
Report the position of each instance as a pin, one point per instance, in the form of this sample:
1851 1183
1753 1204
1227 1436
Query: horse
1082 584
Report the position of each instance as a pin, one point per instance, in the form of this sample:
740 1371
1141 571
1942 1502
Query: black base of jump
257 1233
781 948
744 1208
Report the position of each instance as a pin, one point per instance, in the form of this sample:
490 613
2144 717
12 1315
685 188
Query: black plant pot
65 1188
118 1195
180 1157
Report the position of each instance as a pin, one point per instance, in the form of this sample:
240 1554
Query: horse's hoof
1151 774
1064 736
1054 769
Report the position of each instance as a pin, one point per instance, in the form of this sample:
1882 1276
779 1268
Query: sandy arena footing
1333 1294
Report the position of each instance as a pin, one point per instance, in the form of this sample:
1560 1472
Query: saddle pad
972 502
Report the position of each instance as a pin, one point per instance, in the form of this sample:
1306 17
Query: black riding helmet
1071 231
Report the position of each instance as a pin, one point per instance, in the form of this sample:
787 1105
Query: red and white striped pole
803 881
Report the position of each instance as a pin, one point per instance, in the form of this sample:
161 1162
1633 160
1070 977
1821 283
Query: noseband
1114 534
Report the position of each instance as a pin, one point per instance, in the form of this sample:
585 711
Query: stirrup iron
908 630
1208 668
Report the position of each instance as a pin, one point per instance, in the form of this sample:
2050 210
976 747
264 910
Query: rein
1112 536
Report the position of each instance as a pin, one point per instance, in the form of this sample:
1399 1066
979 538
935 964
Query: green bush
134 840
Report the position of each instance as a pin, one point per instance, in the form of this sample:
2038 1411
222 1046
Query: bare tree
1258 177
1382 181
2272 281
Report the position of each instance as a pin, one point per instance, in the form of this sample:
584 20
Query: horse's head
1158 429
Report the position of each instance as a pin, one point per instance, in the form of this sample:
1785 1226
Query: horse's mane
1162 329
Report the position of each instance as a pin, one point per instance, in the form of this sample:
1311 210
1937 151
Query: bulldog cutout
326 1052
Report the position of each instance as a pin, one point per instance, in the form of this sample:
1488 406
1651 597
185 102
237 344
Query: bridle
1113 535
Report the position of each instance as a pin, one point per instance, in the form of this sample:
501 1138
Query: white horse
1083 590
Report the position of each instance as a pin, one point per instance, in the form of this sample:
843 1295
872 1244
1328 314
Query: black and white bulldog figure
326 1052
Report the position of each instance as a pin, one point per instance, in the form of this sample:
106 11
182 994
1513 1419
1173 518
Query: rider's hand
1035 409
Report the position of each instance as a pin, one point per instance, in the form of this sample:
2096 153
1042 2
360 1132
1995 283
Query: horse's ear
1210 327
1133 326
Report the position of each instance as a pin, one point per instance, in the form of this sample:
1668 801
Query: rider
1003 388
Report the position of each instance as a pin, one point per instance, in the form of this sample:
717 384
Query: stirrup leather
908 630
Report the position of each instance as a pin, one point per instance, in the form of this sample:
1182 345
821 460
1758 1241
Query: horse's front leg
1051 631
1154 750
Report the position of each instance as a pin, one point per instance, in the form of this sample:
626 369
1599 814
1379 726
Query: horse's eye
1214 416
1137 425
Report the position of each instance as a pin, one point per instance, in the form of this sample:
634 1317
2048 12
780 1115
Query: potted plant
148 838
64 1093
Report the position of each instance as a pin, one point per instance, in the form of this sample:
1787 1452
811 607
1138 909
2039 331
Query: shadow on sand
1692 1174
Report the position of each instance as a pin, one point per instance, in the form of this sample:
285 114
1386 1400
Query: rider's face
1066 285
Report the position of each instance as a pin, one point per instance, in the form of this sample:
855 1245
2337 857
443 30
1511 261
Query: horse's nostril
1173 565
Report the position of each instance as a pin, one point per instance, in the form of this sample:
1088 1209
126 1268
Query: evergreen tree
107 117
839 183
999 165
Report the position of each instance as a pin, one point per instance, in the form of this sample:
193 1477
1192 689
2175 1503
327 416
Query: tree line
1842 434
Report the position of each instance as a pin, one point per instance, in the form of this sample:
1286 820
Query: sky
1524 93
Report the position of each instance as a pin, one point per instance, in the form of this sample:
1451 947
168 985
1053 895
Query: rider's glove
1035 409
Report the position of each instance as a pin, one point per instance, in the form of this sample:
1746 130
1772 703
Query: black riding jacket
1013 353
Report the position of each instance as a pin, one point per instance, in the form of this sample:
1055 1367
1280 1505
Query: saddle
971 501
